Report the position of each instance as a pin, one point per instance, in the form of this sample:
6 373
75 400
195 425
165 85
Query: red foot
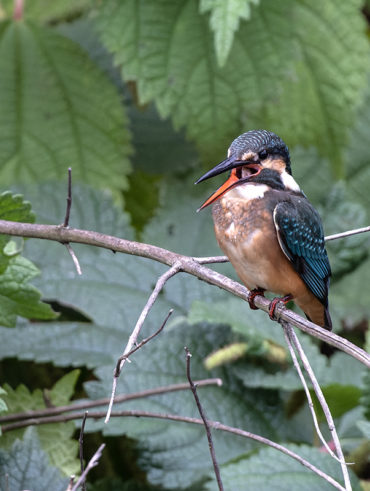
252 294
275 301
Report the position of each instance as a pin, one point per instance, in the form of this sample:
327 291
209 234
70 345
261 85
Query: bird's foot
274 303
252 294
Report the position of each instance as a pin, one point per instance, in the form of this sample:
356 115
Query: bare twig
205 422
66 223
81 448
69 199
71 483
74 258
348 233
184 419
141 344
135 333
294 339
187 265
306 389
103 402
93 462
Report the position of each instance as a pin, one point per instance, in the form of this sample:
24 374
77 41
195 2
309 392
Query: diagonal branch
83 405
188 265
294 339
139 324
289 342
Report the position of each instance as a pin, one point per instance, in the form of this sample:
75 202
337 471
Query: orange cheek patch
274 164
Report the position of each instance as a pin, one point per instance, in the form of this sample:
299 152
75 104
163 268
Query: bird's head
255 157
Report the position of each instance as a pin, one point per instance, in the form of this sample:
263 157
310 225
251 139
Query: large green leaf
224 21
273 470
55 439
286 71
27 466
57 109
14 208
178 455
341 214
260 367
357 155
18 297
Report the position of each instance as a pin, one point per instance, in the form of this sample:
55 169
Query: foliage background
139 98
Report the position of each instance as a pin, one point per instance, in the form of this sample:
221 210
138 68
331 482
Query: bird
266 226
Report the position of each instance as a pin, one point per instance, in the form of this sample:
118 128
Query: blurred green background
140 98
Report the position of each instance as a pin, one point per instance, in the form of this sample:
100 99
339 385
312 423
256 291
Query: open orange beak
232 181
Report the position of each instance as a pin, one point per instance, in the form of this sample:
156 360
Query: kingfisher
268 229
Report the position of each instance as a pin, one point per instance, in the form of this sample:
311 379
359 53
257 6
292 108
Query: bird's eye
262 154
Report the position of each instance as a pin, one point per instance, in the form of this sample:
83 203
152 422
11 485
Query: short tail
327 319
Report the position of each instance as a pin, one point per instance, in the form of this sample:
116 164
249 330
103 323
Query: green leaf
287 70
275 471
348 302
56 438
339 215
256 328
169 463
13 208
364 426
45 12
340 398
57 110
357 154
224 21
27 466
18 297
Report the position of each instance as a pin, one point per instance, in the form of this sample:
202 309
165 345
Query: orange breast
246 233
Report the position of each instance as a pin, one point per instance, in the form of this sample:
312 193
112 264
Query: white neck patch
250 191
289 182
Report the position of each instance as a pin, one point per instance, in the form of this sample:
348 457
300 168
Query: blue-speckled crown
257 140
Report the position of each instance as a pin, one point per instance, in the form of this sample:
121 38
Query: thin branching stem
320 396
183 419
205 422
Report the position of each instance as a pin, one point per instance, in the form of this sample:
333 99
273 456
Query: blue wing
301 238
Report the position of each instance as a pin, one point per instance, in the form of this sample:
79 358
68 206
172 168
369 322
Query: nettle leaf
260 367
357 155
305 161
286 69
27 466
264 471
348 301
57 109
339 215
56 438
13 208
18 297
113 288
224 21
167 462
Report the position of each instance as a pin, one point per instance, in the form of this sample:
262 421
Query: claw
274 303
252 294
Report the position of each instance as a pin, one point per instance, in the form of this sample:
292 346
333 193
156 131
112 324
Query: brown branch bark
188 265
83 405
